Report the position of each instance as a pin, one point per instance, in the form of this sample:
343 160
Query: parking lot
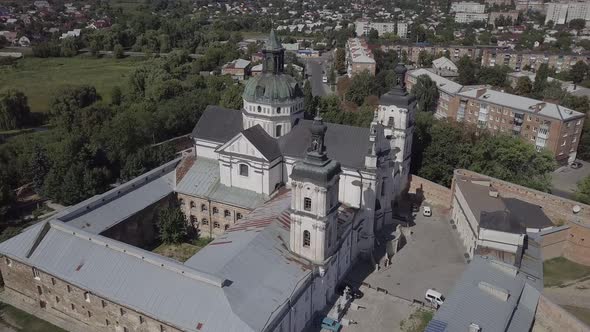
432 258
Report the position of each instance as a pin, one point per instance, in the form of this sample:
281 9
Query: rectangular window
8 261
73 306
69 288
162 328
56 299
125 329
89 314
307 204
39 290
106 322
86 297
121 311
53 281
141 320
36 274
104 304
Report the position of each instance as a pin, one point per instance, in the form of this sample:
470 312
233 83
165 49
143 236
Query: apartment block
468 7
491 57
565 11
556 12
470 17
402 29
363 27
359 57
454 52
543 124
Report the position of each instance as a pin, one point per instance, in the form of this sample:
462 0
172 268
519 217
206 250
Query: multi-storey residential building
498 2
359 57
363 27
454 53
546 125
518 60
468 7
462 17
565 11
534 5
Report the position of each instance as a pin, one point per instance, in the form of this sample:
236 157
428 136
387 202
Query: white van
325 79
427 211
434 297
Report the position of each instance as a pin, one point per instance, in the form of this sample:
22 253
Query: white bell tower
314 205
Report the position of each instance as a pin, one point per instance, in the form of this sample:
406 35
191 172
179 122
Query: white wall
503 241
206 149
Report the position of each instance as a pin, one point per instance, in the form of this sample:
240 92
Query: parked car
434 297
354 292
427 211
324 79
330 324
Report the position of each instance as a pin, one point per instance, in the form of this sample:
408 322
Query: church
291 203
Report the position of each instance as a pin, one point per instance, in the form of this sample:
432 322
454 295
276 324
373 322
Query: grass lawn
417 321
180 252
19 320
40 78
559 270
582 314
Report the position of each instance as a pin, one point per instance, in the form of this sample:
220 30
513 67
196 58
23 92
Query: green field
39 78
559 271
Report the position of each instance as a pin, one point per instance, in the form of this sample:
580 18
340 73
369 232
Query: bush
172 225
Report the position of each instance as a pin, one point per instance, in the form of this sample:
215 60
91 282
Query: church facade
292 204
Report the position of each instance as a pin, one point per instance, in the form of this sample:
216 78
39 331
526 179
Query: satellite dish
576 208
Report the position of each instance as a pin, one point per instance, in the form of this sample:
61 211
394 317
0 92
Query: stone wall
577 247
429 191
552 243
551 317
139 230
72 303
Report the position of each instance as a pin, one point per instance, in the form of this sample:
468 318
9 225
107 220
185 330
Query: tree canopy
14 109
172 225
426 93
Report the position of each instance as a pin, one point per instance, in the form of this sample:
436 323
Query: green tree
116 95
466 69
39 167
340 61
426 93
172 225
373 36
540 80
308 100
362 86
524 86
577 24
69 47
582 193
232 97
578 71
67 102
118 51
425 59
553 91
6 197
14 109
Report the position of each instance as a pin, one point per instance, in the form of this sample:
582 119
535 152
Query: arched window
215 210
193 205
239 216
243 170
307 204
226 227
226 213
259 109
203 207
306 239
278 130
205 221
278 110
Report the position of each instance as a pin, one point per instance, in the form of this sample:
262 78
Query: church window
306 239
193 205
259 109
203 207
205 221
36 274
216 225
226 213
215 210
278 130
239 216
307 204
278 110
226 227
243 170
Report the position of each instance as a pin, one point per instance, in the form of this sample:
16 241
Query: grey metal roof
468 303
398 97
345 144
218 124
104 211
501 213
148 283
267 145
203 180
254 254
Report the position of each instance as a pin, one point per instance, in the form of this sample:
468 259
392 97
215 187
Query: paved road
315 69
564 180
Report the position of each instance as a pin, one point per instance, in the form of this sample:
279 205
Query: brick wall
72 303
552 244
577 247
431 192
552 317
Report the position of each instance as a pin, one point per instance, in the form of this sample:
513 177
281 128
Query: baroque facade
291 212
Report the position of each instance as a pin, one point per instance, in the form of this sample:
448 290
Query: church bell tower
314 204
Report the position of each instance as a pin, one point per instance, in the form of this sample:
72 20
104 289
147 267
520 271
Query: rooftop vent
474 328
499 293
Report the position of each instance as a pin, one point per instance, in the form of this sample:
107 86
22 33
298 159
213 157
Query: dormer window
307 204
243 170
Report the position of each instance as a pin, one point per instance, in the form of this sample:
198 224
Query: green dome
269 88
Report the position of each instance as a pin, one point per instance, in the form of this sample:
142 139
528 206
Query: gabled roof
267 145
346 144
218 124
